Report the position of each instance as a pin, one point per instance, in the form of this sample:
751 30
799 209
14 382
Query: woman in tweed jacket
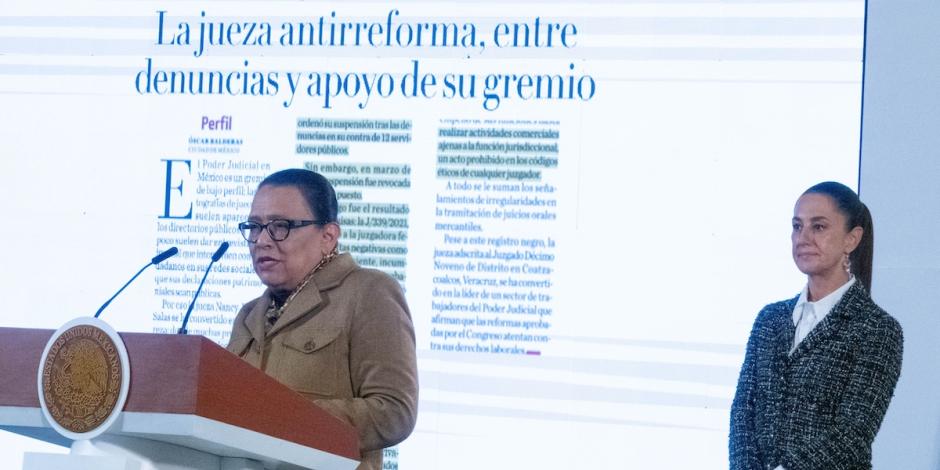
820 369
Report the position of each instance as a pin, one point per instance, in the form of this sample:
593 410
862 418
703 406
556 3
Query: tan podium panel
188 391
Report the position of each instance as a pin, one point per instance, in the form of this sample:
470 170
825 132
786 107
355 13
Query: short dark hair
315 188
856 215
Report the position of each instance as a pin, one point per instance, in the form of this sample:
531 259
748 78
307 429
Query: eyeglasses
278 229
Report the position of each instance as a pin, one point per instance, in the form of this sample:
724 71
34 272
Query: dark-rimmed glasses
278 229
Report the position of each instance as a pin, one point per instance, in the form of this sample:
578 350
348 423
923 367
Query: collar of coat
854 303
309 298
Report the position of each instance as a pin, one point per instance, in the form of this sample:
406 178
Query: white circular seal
83 379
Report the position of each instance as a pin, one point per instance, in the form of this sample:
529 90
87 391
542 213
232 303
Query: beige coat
346 341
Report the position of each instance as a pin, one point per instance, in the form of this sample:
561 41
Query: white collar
823 306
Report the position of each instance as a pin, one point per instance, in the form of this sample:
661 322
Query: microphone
163 256
156 260
215 257
218 253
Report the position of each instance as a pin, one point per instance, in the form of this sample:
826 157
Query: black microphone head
221 251
163 256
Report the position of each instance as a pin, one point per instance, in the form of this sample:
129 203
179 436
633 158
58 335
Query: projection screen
586 203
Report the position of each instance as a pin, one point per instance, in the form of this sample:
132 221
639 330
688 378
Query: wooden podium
191 405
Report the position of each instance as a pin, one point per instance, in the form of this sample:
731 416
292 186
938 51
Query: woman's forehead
814 205
279 202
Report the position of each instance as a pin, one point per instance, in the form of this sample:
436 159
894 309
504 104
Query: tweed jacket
346 341
820 407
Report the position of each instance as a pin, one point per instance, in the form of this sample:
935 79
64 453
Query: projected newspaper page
586 203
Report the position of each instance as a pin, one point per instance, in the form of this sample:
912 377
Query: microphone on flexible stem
215 257
156 260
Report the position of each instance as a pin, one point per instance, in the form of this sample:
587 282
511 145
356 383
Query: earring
846 263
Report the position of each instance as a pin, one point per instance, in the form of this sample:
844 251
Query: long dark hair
316 189
856 215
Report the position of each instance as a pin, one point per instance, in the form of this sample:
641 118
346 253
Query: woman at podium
337 333
820 368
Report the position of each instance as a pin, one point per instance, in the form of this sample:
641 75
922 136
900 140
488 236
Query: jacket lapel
842 311
309 298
